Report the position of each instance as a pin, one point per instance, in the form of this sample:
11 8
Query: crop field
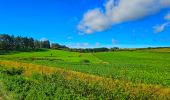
57 74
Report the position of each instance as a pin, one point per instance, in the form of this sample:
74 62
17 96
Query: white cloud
94 20
160 28
167 17
118 11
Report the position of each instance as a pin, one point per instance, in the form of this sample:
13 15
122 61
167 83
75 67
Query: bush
13 71
85 61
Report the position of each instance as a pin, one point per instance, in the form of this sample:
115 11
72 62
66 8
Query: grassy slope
147 66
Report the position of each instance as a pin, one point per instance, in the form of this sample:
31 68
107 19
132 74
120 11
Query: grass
148 67
50 83
137 66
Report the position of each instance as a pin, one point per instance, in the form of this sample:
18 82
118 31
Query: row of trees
86 50
9 42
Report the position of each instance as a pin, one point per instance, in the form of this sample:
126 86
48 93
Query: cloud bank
119 11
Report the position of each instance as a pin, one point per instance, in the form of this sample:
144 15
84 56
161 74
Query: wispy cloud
118 11
160 28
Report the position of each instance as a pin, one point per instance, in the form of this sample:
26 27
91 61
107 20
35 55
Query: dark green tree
45 44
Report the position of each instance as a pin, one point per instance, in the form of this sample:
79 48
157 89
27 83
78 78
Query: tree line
10 42
87 50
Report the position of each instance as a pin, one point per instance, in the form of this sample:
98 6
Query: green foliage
41 87
8 42
85 61
13 71
45 44
55 86
150 66
89 50
58 46
147 66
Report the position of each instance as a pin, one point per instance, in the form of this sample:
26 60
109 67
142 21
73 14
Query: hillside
149 69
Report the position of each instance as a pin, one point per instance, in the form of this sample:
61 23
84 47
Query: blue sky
59 21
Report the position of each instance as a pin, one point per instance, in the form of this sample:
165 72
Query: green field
148 67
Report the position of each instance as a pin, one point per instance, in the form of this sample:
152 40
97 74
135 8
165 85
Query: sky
89 23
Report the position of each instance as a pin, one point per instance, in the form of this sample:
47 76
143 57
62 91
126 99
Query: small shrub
13 71
85 61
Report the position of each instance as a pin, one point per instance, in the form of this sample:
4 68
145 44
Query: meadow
56 74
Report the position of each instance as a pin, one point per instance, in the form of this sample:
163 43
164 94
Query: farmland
138 74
